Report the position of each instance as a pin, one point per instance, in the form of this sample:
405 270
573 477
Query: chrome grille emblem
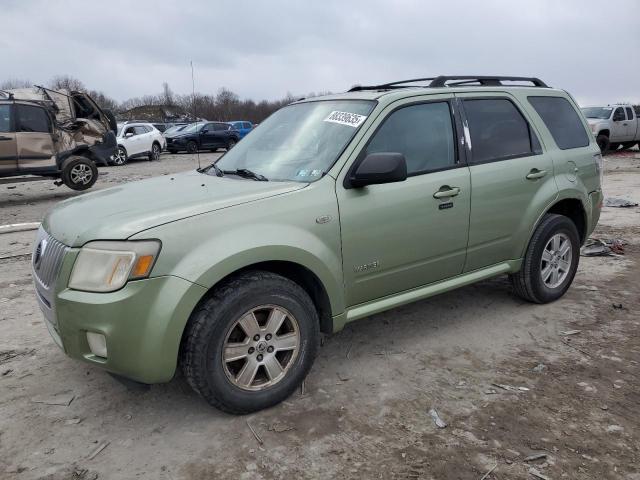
39 253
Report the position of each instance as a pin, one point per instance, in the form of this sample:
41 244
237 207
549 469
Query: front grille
47 258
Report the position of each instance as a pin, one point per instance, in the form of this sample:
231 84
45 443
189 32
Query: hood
120 212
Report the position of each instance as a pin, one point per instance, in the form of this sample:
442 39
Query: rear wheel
603 143
550 262
192 147
251 343
231 143
154 154
79 173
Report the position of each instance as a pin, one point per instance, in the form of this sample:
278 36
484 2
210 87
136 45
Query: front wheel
154 154
231 143
120 158
79 173
603 143
251 343
550 262
192 147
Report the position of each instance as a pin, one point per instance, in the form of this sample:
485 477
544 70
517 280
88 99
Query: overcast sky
264 49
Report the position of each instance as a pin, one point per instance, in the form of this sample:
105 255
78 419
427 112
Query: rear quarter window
5 118
562 120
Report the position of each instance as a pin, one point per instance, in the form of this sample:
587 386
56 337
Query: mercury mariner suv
331 210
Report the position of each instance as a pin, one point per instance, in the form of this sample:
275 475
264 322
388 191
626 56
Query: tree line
224 105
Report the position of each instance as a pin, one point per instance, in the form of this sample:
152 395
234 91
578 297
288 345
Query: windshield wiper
245 173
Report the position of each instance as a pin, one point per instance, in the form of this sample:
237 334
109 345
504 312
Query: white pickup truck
613 126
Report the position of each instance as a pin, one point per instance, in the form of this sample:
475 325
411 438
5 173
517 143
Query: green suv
331 210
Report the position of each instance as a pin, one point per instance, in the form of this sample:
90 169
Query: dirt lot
364 411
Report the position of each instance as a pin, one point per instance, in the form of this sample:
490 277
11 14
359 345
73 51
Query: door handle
534 174
625 124
4 138
446 191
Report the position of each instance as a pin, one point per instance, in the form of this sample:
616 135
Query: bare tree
66 82
167 94
12 83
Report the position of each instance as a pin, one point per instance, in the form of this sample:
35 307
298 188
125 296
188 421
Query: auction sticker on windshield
345 118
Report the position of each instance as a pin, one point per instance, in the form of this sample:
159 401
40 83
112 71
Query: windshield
299 142
597 112
194 127
177 128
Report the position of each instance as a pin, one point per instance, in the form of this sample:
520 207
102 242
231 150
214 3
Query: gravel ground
365 409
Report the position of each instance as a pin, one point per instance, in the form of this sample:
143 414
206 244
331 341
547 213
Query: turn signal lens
142 266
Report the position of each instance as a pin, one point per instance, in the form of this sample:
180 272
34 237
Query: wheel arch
572 208
605 132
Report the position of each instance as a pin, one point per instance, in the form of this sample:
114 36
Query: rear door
632 124
33 138
8 158
511 178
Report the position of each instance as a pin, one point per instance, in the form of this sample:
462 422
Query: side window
498 130
5 118
562 120
422 133
129 130
140 129
618 115
32 119
220 127
246 125
629 113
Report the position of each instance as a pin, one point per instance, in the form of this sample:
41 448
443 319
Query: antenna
193 89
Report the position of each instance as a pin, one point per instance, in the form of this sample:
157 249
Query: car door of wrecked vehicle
34 142
8 158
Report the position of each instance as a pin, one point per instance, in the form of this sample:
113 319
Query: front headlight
105 266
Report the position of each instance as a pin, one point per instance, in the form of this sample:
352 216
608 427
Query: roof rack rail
459 80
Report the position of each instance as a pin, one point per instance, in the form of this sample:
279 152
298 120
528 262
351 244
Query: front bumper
142 323
103 151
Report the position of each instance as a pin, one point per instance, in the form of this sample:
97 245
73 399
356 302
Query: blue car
241 126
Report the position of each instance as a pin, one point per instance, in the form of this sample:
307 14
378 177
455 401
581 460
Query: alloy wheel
556 260
120 157
81 174
260 347
155 152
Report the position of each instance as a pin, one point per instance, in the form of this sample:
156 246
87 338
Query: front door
8 158
400 236
619 125
33 139
512 178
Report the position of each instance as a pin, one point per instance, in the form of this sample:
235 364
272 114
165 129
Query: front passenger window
422 133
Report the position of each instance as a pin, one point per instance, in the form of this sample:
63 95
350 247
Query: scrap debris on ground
528 392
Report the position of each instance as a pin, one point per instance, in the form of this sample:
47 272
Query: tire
79 173
613 147
154 154
528 283
120 158
192 147
231 143
214 324
603 143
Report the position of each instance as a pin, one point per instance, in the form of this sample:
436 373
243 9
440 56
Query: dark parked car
243 127
203 136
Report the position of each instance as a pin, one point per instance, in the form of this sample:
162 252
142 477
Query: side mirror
378 168
128 135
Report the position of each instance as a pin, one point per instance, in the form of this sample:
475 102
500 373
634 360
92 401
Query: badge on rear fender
345 118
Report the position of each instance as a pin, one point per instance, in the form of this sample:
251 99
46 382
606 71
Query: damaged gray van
59 134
